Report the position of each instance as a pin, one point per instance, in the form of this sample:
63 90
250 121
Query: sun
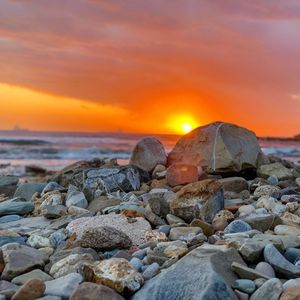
182 123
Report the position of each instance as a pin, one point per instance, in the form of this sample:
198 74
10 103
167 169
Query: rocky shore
213 219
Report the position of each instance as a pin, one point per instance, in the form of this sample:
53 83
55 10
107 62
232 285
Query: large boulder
201 199
218 148
179 174
148 153
204 273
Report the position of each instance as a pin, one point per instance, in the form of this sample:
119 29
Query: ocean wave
23 142
282 151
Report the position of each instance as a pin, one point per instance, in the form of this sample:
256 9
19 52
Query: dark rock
15 207
8 185
234 184
27 190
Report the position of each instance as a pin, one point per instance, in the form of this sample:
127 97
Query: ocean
55 150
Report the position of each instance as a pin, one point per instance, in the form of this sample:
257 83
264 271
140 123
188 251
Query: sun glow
182 124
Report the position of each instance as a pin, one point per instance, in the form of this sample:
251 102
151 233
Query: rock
105 238
266 269
32 289
159 172
15 207
180 174
246 210
116 273
237 226
54 211
135 230
259 282
191 235
76 211
206 227
270 290
20 259
27 190
8 236
210 280
262 222
292 255
291 283
244 285
8 185
63 286
176 250
219 148
35 274
10 218
148 153
154 219
71 264
76 199
52 186
93 291
202 199
273 180
126 179
241 295
155 236
290 219
279 263
287 230
234 184
50 298
38 241
174 220
136 263
291 293
52 198
267 190
245 272
7 289
151 271
102 202
275 169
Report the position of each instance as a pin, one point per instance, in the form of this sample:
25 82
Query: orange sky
150 66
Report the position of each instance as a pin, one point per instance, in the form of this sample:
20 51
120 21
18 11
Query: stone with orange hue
202 199
180 174
32 289
291 293
116 273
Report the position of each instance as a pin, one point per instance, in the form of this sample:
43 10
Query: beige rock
155 236
116 273
287 230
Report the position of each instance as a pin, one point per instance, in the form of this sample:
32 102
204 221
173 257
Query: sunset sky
150 66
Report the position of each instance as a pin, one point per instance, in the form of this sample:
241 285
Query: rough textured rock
211 279
275 169
113 179
20 259
279 263
148 153
105 238
116 273
63 286
219 148
179 174
270 290
202 199
93 291
191 235
32 289
135 231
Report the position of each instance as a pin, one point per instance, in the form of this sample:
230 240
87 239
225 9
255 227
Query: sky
150 66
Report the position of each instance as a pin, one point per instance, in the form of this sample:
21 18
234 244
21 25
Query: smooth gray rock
27 190
8 184
244 285
54 211
292 254
37 273
9 218
11 239
204 273
63 286
279 263
270 290
10 207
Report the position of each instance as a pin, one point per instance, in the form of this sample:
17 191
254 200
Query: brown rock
32 289
207 229
219 148
148 153
291 293
201 199
180 174
93 291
